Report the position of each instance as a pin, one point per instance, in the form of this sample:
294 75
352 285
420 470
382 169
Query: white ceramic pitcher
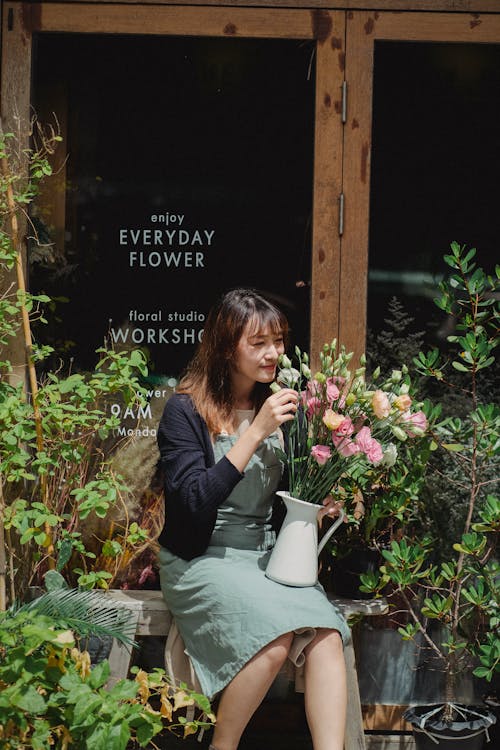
294 559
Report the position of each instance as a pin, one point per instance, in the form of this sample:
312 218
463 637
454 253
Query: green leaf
54 581
118 736
459 366
29 700
85 707
65 552
99 675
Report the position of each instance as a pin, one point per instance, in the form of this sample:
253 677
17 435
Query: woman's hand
331 508
279 408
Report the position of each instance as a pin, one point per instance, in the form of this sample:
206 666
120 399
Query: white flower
390 455
288 377
306 372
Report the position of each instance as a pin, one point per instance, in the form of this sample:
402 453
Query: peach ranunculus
414 424
332 419
380 404
403 402
321 454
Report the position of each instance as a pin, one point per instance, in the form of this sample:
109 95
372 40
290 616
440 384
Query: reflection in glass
435 165
189 171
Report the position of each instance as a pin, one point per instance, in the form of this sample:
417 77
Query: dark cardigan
194 485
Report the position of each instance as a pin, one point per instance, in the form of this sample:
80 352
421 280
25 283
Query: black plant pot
346 571
466 732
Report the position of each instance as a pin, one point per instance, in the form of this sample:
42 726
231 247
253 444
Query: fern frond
86 613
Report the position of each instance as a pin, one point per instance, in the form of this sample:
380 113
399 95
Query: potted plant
445 570
59 443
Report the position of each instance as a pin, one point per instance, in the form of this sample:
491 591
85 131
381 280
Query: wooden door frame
22 20
363 29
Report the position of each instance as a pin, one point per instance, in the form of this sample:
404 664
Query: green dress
225 608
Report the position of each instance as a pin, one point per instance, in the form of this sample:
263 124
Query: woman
217 439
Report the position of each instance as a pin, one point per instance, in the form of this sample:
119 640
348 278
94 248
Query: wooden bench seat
149 615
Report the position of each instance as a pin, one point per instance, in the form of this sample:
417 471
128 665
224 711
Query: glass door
435 164
183 179
421 157
202 151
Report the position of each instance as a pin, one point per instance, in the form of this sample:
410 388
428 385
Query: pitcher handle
331 530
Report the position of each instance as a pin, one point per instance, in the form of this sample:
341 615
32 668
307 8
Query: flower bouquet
344 429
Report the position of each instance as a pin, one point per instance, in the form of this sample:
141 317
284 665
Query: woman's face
256 355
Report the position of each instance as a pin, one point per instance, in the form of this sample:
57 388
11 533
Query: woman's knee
327 640
277 651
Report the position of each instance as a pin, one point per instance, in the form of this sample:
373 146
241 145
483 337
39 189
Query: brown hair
207 378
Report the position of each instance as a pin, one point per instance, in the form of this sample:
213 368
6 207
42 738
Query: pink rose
364 438
313 406
332 392
345 446
346 427
380 404
321 454
370 447
338 380
403 402
374 453
313 389
415 423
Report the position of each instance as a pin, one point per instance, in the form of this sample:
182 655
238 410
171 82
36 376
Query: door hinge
344 101
341 214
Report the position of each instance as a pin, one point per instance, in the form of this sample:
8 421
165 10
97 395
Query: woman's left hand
331 508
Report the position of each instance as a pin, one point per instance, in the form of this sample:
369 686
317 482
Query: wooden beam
431 27
107 18
357 151
325 273
451 6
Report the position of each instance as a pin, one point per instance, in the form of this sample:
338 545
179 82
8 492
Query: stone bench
149 615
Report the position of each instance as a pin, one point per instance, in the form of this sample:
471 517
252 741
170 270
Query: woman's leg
245 692
325 690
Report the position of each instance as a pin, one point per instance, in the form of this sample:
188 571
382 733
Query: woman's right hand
279 408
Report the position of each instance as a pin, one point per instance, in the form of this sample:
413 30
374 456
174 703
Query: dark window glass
435 167
189 172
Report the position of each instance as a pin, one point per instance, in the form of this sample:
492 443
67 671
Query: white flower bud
306 372
285 361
